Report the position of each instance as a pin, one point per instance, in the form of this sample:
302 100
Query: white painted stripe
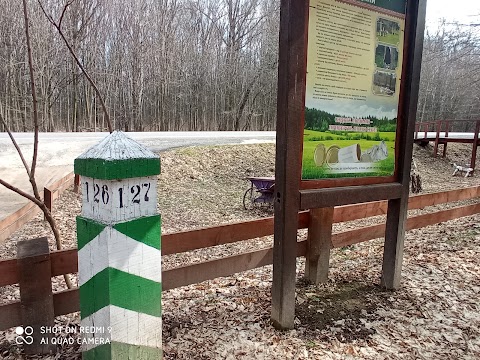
114 249
116 324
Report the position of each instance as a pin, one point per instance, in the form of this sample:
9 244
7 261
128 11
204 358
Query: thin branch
34 96
72 52
36 195
22 193
63 12
19 151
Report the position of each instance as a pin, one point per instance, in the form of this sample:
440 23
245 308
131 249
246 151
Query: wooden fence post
34 271
438 126
447 127
397 208
319 243
475 145
119 259
48 200
76 183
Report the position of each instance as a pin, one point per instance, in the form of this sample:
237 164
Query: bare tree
450 82
58 27
36 198
160 65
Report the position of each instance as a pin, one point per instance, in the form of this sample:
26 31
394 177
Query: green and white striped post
119 258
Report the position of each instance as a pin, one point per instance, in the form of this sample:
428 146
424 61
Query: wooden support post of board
76 183
394 243
319 243
34 271
290 105
119 258
397 208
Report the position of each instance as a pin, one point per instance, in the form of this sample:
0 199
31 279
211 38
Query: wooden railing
51 191
65 261
445 126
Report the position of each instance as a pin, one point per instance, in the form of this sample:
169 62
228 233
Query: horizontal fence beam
10 315
421 201
421 221
377 231
8 272
220 235
26 213
16 220
61 184
195 273
365 210
66 302
309 199
230 233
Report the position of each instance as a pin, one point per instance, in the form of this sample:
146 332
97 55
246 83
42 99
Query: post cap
117 156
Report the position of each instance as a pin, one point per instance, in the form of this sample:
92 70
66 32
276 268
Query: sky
452 10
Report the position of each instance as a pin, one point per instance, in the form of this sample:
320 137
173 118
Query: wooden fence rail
51 192
445 126
65 261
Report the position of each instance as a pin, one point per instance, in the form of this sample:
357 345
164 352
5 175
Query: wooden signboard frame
292 194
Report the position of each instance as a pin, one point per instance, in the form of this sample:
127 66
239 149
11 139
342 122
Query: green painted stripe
87 230
122 351
115 287
117 169
145 230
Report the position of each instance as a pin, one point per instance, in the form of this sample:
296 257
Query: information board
354 67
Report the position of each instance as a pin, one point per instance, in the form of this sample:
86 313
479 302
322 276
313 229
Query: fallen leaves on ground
435 314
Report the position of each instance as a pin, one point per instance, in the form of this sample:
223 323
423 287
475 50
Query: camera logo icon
24 335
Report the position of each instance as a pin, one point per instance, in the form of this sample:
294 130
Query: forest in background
319 120
167 65
450 79
161 64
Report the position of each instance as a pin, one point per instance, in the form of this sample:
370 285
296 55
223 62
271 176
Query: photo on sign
336 146
388 31
384 83
386 57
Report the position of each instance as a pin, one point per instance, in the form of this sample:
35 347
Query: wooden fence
65 261
20 217
445 126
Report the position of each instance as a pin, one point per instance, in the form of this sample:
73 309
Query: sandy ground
57 152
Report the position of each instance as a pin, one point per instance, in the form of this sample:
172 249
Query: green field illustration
310 170
331 153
